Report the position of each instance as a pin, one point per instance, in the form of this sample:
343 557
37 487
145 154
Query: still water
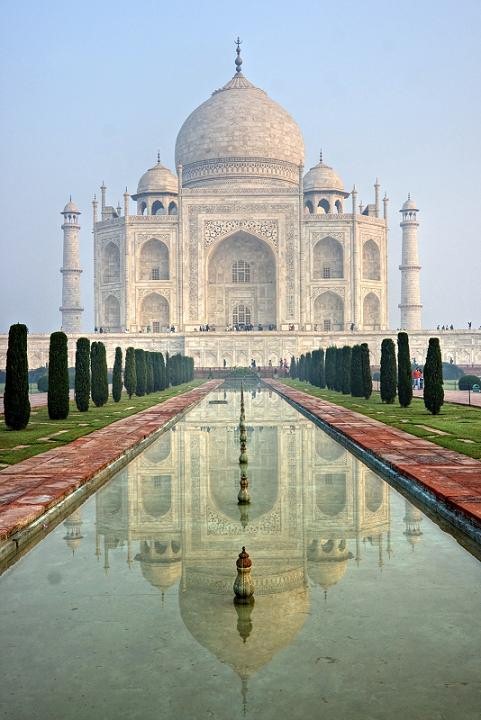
363 608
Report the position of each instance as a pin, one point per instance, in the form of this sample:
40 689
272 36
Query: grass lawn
43 434
457 427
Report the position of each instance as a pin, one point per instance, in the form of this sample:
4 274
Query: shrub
366 371
82 374
388 371
140 372
466 382
130 377
117 376
58 386
433 378
15 399
404 377
346 369
357 389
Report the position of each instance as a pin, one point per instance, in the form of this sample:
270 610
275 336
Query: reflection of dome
157 179
72 525
322 177
161 562
327 561
212 620
239 133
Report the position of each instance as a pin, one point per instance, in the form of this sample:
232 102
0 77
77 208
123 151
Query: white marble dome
239 133
157 179
409 204
71 207
322 177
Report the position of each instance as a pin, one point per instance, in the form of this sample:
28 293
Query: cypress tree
130 377
366 371
357 389
58 391
308 370
314 372
339 370
302 367
346 370
322 372
330 367
433 378
82 374
404 378
163 372
117 376
15 399
140 372
156 370
388 371
292 368
149 373
100 382
167 370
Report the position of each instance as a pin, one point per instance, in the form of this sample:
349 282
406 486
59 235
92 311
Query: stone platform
448 482
32 488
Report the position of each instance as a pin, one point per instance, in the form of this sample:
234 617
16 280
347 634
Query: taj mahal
273 261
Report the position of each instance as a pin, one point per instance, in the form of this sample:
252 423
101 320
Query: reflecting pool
363 608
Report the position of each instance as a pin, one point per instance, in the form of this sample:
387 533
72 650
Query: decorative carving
249 168
163 237
268 524
321 235
153 290
336 289
216 229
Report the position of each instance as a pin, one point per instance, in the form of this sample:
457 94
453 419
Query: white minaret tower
410 289
71 309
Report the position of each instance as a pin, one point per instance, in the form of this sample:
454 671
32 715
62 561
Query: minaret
410 290
71 309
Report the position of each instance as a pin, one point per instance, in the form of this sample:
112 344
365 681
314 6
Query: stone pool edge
429 491
45 497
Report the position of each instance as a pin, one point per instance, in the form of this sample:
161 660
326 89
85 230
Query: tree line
347 370
144 372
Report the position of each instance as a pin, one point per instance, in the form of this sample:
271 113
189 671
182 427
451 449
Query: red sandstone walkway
30 488
454 479
461 397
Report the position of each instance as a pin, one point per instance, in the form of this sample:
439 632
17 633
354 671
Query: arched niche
154 313
371 261
308 208
156 495
323 207
142 207
371 312
153 261
111 263
373 492
111 314
241 270
159 450
338 206
327 448
328 259
331 492
158 208
329 312
172 208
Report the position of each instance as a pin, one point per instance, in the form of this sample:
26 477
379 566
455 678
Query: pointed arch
111 314
371 312
328 259
309 207
154 313
158 208
172 208
111 263
331 492
371 261
323 207
329 312
153 260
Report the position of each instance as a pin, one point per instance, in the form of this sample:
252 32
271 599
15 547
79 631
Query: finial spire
158 157
238 60
409 196
320 156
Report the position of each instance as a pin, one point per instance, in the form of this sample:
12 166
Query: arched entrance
241 275
154 315
329 312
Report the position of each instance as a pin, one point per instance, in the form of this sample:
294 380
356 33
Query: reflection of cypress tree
404 379
357 389
140 372
346 370
433 378
82 374
117 376
58 391
130 376
388 371
366 371
15 399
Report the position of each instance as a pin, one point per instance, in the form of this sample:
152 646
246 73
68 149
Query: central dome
239 134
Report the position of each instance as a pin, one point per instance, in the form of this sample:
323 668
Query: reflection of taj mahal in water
315 511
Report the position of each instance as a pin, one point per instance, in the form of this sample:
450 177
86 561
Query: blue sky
90 92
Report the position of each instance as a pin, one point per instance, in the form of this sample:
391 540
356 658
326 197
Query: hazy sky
90 92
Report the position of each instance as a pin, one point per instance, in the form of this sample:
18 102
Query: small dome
70 207
157 179
322 177
409 204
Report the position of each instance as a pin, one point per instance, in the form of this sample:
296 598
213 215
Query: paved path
30 488
454 479
457 396
36 400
